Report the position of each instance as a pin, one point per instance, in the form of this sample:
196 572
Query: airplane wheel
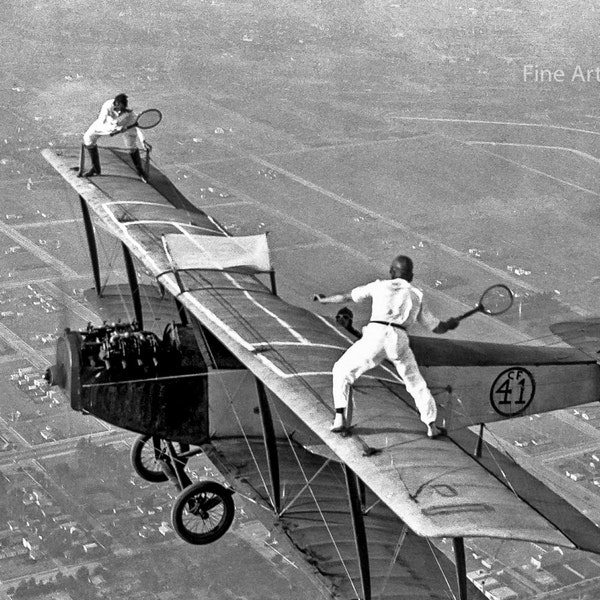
203 512
144 461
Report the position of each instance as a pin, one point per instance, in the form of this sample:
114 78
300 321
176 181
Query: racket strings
149 118
496 299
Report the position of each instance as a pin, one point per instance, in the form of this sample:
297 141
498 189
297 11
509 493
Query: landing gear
149 455
203 512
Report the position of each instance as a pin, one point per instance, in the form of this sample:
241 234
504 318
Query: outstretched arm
438 326
333 299
444 326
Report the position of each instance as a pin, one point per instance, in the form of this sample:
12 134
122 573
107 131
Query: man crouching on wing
115 117
395 305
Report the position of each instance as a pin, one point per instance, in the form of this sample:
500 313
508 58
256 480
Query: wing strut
133 286
461 567
360 534
91 239
182 313
479 447
270 444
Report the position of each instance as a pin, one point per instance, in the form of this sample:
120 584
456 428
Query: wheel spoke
203 512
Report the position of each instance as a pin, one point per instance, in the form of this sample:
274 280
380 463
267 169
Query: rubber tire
139 448
192 493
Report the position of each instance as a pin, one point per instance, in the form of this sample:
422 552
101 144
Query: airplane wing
584 335
435 486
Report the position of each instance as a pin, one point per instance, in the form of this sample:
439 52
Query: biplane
229 316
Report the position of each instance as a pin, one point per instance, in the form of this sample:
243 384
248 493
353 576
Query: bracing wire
231 308
241 318
500 469
394 558
431 548
293 500
230 398
308 487
111 255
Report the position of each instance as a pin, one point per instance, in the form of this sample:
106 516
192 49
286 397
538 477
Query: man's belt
396 325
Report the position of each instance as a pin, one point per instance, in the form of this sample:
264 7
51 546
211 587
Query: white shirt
395 301
110 119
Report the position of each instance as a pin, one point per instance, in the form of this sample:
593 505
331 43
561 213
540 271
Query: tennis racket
497 299
147 119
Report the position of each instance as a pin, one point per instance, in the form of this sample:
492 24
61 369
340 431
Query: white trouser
91 136
377 343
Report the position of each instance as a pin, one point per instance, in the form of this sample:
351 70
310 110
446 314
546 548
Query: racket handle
123 130
470 312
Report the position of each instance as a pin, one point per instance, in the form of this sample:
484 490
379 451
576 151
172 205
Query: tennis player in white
115 117
396 305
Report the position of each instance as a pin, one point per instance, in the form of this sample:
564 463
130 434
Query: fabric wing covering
434 486
247 253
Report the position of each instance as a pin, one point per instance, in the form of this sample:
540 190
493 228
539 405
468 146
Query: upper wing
584 335
435 487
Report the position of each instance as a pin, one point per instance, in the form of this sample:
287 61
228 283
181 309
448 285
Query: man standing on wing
396 305
115 118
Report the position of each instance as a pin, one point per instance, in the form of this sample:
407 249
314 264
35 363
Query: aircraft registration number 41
512 391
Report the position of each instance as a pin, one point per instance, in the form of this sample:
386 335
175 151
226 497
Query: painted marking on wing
297 335
334 328
298 344
237 338
174 223
178 224
152 264
131 241
143 202
214 319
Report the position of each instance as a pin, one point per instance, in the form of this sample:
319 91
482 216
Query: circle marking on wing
512 391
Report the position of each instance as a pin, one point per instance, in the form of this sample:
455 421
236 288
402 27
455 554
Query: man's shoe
339 423
137 163
433 431
95 158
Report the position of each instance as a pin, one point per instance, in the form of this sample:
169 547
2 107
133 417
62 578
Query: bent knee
342 375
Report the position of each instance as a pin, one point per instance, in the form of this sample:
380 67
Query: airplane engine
135 380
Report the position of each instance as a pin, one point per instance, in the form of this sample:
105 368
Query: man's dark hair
345 312
121 99
402 266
